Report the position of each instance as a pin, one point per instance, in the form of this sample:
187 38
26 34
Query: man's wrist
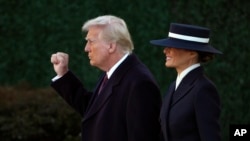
56 78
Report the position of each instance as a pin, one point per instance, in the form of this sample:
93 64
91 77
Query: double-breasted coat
191 112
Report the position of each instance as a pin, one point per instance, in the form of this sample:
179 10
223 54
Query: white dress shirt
184 73
111 71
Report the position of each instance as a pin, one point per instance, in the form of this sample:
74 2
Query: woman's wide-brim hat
188 37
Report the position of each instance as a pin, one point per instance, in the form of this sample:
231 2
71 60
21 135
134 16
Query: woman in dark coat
191 107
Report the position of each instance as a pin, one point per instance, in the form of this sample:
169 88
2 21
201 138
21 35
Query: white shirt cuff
56 78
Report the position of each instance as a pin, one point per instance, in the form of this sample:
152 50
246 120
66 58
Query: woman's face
179 59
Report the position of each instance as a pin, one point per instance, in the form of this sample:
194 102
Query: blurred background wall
31 30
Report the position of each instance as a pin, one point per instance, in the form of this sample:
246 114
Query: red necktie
104 81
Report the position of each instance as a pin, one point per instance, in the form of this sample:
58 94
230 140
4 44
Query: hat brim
176 43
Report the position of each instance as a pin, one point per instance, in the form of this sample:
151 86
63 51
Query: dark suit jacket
191 113
127 109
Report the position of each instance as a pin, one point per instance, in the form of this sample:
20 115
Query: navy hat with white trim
189 37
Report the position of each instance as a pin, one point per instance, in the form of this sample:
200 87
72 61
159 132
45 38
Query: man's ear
112 47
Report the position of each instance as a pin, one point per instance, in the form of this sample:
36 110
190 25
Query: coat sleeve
72 91
143 110
207 109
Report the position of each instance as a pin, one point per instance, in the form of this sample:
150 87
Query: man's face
97 48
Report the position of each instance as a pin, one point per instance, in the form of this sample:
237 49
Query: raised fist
60 62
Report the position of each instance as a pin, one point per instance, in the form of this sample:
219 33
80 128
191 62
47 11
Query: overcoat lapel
186 85
98 101
180 92
95 94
